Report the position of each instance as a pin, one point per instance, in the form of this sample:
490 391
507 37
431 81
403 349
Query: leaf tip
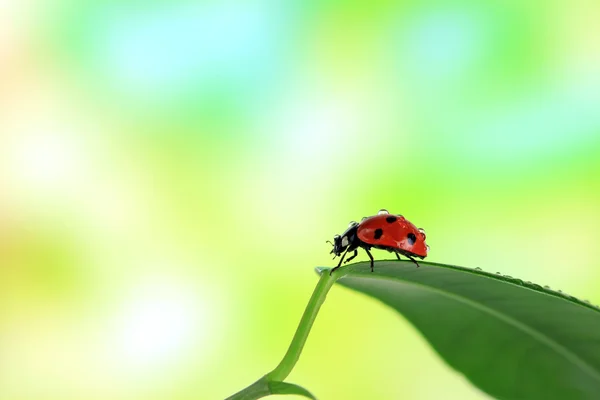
320 270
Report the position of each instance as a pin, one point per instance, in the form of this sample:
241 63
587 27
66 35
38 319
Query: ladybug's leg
371 257
339 264
397 255
352 257
413 260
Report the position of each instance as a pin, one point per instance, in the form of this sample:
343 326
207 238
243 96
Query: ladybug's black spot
391 219
378 233
411 238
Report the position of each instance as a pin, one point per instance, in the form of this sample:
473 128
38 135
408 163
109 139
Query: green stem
308 318
261 387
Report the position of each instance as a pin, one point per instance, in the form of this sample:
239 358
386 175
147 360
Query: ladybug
385 231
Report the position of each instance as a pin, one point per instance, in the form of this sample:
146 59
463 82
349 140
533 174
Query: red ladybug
385 231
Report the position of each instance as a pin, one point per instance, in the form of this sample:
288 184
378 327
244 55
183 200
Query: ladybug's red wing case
383 231
393 232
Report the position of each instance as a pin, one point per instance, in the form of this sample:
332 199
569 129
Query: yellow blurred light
44 159
157 322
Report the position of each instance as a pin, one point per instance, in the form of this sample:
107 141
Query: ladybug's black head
346 242
337 246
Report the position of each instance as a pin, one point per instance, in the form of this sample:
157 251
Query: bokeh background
170 171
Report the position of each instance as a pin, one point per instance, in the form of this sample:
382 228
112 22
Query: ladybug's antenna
332 249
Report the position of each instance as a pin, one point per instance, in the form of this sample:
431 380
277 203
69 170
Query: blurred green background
170 171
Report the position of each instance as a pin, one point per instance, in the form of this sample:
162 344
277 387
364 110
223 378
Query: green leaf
264 387
289 388
514 340
257 390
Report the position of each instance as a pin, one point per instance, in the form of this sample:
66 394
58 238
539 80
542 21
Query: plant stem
308 318
263 387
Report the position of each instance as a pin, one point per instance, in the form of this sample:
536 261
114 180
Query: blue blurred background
170 171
